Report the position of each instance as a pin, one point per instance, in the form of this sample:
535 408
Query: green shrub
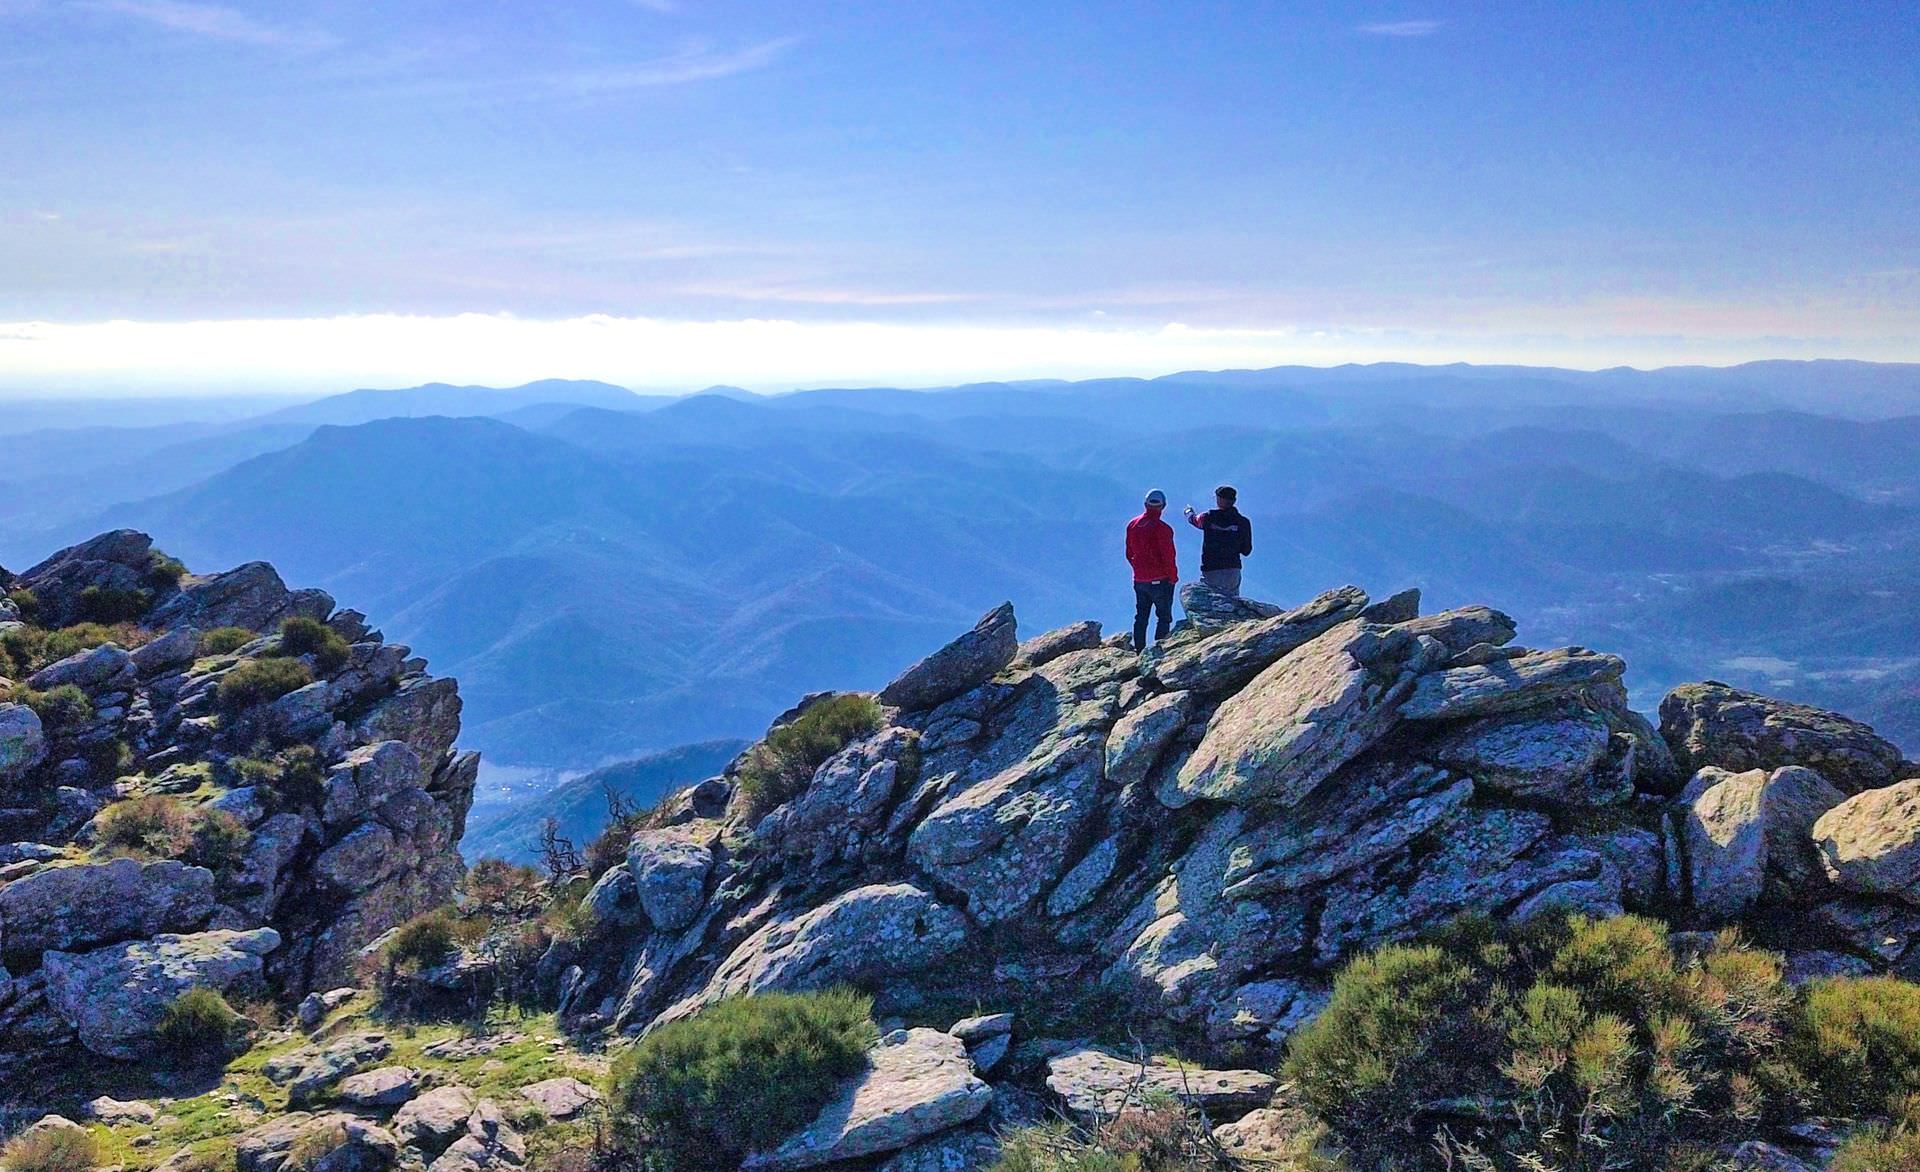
154 826
739 1076
26 602
1882 1148
161 827
1055 1147
1857 1041
52 1149
110 604
225 640
305 636
256 681
199 1026
61 710
1583 1046
164 571
422 942
218 840
779 767
1389 1011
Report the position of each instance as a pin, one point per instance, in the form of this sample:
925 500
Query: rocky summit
206 781
1013 847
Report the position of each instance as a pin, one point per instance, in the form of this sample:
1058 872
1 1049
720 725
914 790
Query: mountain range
611 574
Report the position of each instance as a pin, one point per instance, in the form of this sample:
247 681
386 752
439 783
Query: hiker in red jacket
1150 552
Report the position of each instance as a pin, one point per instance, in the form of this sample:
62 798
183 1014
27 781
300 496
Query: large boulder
669 869
115 997
1548 755
1209 608
1870 843
89 670
88 904
1099 1084
865 935
1715 724
917 1083
1744 833
1296 723
1080 636
967 662
367 777
250 596
1223 661
435 1119
331 1142
1508 685
23 743
1139 736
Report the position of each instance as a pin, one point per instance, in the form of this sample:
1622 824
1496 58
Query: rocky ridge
339 801
1210 829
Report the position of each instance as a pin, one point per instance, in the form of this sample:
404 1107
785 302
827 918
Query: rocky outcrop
343 801
1713 724
1213 827
1869 844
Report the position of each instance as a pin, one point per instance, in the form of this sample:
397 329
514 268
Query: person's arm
1246 536
1197 520
1132 552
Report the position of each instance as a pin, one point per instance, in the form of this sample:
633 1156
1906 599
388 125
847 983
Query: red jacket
1150 548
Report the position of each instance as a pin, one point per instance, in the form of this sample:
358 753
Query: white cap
1156 497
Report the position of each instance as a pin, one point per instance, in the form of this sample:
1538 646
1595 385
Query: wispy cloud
697 62
664 7
215 22
1402 28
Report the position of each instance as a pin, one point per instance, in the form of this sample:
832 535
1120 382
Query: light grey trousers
1225 581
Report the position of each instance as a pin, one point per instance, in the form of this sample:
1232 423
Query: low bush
110 604
1584 1045
497 887
737 1077
315 1143
52 1149
422 942
154 826
1857 1041
164 571
225 640
199 1026
311 637
1883 1148
61 710
26 602
779 767
218 840
86 636
257 681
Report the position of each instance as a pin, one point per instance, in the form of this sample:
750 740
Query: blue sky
747 190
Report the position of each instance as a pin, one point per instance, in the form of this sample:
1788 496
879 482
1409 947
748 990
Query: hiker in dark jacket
1229 537
1150 553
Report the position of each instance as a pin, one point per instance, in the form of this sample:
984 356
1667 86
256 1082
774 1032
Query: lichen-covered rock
1223 661
1208 608
869 934
972 659
88 904
1546 755
1713 724
250 596
1509 685
669 869
387 1086
1099 1084
89 670
1298 721
434 1119
488 1144
115 997
560 1098
917 1083
1080 636
23 743
1869 844
1137 738
1743 830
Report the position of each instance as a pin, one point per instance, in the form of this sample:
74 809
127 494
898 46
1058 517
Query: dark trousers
1147 597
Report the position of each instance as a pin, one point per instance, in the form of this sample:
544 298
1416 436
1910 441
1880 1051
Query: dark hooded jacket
1229 537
